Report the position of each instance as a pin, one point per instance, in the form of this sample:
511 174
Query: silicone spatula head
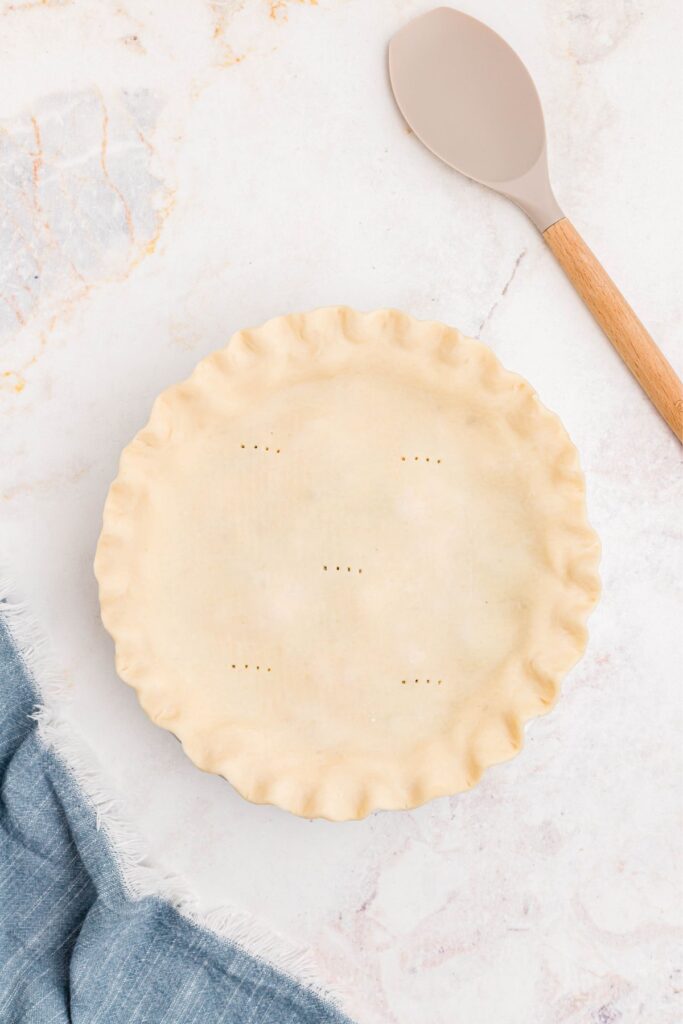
467 96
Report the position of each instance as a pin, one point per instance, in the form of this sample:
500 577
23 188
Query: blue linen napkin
75 947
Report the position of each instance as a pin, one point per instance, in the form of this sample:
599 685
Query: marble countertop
173 171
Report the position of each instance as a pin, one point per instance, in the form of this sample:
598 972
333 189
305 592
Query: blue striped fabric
75 948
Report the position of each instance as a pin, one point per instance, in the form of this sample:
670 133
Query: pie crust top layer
346 560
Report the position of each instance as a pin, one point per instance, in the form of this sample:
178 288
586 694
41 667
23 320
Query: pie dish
346 561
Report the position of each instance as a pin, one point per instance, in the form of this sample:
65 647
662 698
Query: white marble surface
175 169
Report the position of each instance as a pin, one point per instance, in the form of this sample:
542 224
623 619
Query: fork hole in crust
421 458
438 682
264 448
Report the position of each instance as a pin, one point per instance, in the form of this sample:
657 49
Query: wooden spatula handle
621 325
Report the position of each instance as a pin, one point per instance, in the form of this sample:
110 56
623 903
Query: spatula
467 96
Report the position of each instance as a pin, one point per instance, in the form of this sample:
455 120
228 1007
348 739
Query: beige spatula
468 97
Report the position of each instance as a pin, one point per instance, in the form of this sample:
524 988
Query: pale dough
346 561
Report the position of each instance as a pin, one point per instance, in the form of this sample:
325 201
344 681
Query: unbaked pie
346 560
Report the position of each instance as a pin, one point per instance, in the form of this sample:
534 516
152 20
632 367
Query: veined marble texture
173 170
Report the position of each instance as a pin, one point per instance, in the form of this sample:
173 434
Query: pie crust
346 561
